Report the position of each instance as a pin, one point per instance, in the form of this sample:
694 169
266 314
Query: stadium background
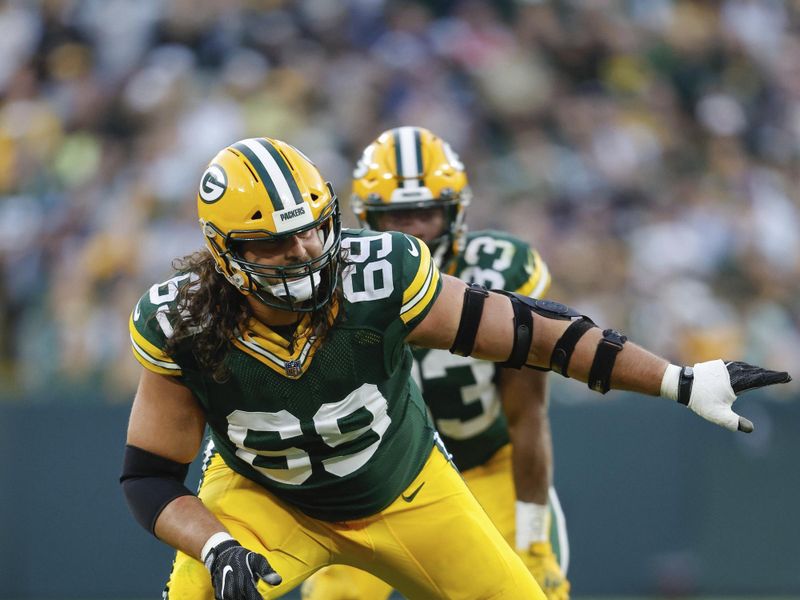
648 148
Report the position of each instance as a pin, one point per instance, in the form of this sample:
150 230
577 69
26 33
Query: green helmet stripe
398 156
408 152
418 148
261 172
285 170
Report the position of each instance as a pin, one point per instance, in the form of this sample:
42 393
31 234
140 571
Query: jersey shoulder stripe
538 284
420 292
149 355
150 325
390 281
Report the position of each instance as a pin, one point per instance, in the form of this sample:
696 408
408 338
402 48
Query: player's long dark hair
213 312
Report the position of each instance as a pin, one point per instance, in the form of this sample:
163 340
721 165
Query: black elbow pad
150 482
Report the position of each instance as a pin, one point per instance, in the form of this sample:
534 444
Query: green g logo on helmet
213 184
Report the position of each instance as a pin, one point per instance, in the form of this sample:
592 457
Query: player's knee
189 580
326 584
340 582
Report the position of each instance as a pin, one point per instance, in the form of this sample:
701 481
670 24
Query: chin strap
299 290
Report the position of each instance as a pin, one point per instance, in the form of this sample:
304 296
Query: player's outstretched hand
543 565
235 571
710 389
746 377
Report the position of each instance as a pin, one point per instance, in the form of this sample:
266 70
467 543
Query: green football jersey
461 392
336 428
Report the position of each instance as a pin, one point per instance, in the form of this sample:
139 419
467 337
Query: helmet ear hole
256 215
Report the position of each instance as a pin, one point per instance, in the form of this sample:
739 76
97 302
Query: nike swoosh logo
413 494
225 571
413 250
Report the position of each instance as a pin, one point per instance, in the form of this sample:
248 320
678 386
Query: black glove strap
559 359
474 297
523 334
604 358
215 552
685 382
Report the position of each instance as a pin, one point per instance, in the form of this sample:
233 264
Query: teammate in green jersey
289 338
492 420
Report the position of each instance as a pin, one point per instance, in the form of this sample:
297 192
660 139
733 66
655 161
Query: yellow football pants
441 544
492 484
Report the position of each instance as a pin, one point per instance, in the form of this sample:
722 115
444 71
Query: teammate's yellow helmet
409 168
260 189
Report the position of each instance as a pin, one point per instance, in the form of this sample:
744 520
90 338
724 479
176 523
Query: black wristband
685 383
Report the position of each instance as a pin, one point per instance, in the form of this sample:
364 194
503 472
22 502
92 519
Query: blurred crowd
648 148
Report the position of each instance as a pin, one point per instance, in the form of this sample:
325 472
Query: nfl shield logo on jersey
293 369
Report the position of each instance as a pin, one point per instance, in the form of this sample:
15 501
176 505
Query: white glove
710 389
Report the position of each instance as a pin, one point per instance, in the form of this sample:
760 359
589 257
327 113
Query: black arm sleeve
150 482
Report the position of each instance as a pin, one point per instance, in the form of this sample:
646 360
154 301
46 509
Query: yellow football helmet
265 189
410 168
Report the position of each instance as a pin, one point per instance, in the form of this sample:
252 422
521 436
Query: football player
492 420
289 338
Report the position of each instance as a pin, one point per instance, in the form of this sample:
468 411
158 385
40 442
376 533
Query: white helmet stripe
409 156
274 171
